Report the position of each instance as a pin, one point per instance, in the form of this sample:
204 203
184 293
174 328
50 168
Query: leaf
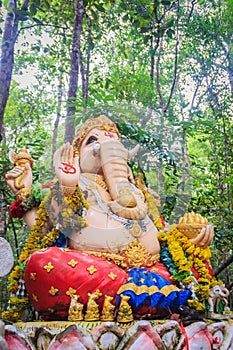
99 7
36 20
32 9
144 29
170 33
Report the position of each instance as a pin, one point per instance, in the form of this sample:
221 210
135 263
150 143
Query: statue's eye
91 139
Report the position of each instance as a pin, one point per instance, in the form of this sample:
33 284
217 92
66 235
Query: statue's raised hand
66 166
19 177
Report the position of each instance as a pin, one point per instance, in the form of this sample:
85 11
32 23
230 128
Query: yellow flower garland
151 202
186 256
35 242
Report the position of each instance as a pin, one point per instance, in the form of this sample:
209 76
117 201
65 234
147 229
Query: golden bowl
190 230
191 224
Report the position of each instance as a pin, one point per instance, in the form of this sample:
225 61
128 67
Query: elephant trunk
126 200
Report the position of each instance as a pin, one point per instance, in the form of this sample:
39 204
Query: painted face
90 161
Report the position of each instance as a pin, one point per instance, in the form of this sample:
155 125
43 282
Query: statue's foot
217 316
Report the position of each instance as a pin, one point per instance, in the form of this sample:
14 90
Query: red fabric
16 210
208 267
63 276
184 334
162 220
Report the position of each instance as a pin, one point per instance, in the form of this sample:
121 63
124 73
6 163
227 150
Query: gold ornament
136 230
24 192
125 312
134 255
138 255
72 263
35 297
100 181
68 191
75 312
91 269
53 291
33 276
71 292
92 313
49 267
50 310
112 276
108 309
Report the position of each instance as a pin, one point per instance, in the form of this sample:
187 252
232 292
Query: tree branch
37 25
223 266
175 63
158 86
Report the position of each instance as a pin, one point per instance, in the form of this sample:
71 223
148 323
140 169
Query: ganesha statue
97 237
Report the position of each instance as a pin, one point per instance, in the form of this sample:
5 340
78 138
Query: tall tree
10 33
75 63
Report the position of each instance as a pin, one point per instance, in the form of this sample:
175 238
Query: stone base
137 335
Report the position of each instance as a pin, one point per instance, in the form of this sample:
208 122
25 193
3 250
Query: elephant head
101 152
216 294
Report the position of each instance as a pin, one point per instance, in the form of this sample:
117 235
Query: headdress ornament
101 122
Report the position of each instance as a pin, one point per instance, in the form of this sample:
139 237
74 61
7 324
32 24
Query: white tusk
96 149
133 152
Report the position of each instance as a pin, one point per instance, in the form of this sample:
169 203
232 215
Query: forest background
162 70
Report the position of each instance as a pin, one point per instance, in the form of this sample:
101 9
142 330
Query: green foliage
143 55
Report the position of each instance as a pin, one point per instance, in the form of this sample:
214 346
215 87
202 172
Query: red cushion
50 273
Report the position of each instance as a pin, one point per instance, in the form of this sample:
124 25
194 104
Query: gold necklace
99 179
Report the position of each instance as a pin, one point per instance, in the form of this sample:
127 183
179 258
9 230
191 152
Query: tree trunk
59 101
7 59
85 72
7 56
75 60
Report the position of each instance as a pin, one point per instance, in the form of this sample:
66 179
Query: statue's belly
104 233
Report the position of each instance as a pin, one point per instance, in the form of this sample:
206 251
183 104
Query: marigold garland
34 242
186 256
151 202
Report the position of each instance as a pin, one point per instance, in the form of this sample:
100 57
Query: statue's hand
204 238
66 166
17 171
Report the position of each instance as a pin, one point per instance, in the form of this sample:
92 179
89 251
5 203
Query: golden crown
101 122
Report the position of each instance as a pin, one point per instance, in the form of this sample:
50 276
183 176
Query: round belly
106 234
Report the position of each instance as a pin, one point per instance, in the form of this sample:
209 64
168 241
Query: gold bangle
68 191
24 192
